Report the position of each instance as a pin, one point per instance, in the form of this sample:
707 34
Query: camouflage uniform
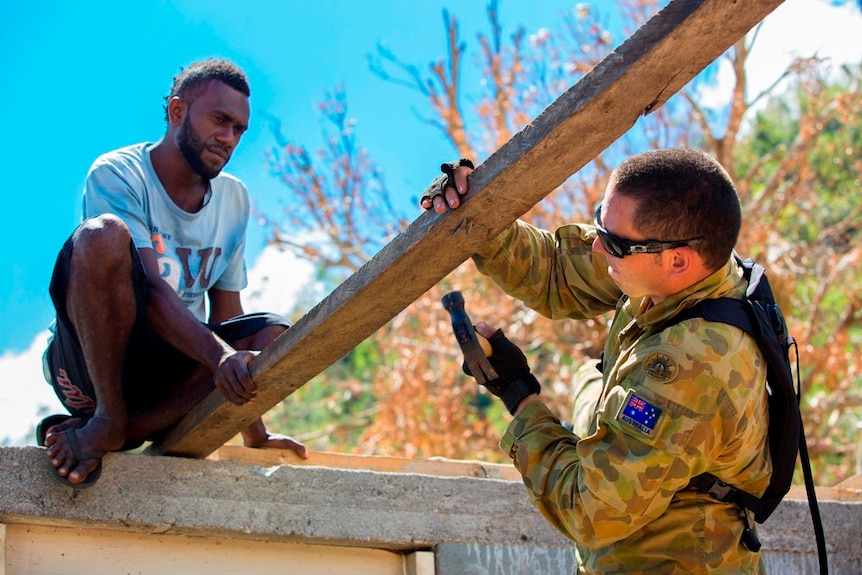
675 403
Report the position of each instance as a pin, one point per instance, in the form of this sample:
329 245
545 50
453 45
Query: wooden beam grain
438 466
640 75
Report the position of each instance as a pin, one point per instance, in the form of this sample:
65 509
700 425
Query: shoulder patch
661 367
640 414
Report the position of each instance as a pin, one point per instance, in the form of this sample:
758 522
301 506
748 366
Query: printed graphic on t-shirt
188 272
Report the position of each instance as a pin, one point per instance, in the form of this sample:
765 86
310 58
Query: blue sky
85 77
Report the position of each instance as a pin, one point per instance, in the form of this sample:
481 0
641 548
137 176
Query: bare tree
804 231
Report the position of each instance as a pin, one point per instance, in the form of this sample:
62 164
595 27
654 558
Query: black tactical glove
439 185
514 381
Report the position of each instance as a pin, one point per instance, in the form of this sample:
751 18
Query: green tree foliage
793 153
803 201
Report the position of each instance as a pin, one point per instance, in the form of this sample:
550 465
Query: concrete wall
472 524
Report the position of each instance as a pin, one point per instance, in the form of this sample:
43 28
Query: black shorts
152 368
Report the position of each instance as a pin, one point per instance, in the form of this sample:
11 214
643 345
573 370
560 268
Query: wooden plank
854 482
419 563
640 75
824 493
70 550
437 466
2 549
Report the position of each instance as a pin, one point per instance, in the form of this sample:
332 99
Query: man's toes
55 454
61 459
83 470
62 465
51 441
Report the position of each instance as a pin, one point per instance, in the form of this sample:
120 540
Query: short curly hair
194 78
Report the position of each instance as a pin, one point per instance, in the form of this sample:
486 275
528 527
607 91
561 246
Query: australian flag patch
640 414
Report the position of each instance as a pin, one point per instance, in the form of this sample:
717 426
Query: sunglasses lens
611 246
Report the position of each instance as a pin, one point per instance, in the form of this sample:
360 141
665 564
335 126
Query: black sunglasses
621 247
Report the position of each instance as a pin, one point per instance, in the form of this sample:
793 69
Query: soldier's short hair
192 80
683 194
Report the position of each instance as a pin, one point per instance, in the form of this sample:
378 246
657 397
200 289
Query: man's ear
682 260
177 110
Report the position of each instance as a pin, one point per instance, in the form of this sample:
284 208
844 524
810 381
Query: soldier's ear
688 264
682 260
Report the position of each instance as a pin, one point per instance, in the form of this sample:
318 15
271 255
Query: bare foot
70 423
66 442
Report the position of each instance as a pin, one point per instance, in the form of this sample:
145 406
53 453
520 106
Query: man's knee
104 238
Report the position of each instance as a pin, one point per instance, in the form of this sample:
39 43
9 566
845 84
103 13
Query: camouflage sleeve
586 391
558 275
671 414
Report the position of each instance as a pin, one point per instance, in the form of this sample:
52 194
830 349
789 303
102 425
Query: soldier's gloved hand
514 381
438 188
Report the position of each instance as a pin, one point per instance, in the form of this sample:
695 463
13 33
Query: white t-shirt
196 252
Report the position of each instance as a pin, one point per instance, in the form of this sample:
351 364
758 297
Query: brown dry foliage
425 406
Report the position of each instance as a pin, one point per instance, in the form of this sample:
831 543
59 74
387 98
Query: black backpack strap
722 310
808 477
759 309
711 485
737 313
717 489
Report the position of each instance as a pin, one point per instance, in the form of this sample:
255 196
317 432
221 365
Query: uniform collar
727 281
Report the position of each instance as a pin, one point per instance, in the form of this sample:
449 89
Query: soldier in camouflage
674 402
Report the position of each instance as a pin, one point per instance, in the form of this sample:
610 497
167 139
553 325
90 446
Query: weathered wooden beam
639 76
426 466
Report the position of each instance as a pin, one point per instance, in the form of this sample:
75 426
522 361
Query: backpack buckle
720 490
749 538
